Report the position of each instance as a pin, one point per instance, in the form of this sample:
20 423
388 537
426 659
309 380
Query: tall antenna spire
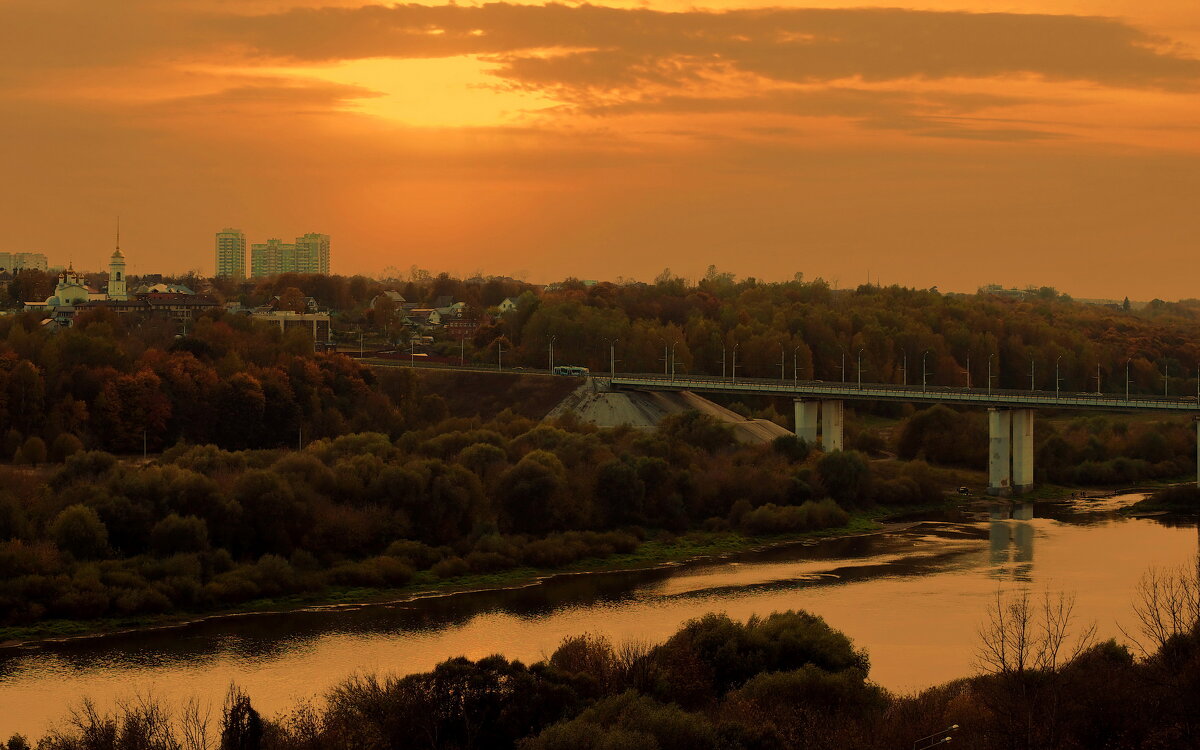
118 232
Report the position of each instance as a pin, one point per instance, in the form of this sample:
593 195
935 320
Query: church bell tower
116 272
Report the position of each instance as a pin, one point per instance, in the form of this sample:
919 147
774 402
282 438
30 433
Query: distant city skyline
1020 142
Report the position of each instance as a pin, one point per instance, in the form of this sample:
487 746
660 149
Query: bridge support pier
1022 450
999 451
806 420
831 425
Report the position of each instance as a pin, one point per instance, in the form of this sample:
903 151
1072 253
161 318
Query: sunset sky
942 143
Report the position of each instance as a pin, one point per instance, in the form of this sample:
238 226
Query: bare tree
1025 645
1166 604
194 722
1021 635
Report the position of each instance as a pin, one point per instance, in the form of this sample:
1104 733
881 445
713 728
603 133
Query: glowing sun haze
941 143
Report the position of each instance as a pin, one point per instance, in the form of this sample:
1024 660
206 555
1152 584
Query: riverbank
658 550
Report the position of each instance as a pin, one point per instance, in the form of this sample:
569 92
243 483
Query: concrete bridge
1010 412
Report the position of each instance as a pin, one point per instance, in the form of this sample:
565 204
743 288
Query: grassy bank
659 549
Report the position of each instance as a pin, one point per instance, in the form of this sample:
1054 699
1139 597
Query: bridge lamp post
1057 380
843 363
924 372
1032 364
1166 377
552 340
796 370
860 351
612 357
1127 377
905 368
673 344
990 372
499 355
733 365
938 738
722 361
782 362
968 372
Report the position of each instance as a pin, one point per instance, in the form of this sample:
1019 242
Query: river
914 597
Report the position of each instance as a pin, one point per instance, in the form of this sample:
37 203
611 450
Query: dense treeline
820 328
788 680
205 528
231 381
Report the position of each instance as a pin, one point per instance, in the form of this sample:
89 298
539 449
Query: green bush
175 534
451 567
79 531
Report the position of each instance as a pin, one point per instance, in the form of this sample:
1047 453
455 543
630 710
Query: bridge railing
891 392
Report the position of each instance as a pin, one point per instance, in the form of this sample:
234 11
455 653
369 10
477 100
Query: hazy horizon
923 144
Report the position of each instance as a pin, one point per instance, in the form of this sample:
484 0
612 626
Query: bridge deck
911 394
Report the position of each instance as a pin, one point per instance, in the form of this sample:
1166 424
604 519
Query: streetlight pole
796 370
499 355
1166 377
551 356
673 343
968 372
412 352
843 363
942 738
990 372
733 365
1031 368
782 362
1127 377
860 351
924 372
612 357
1057 380
462 351
905 368
664 357
722 361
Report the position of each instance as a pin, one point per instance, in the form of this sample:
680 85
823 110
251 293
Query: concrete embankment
594 403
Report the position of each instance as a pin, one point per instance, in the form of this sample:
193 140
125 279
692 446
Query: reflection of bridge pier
1012 542
831 422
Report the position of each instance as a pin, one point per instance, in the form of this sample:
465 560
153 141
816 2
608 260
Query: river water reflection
913 597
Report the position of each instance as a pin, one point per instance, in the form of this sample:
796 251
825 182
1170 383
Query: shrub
792 448
451 567
844 474
33 452
418 555
78 530
811 516
175 534
65 446
377 571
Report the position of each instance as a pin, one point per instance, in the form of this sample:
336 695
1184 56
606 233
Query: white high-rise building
308 254
231 253
23 261
312 253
